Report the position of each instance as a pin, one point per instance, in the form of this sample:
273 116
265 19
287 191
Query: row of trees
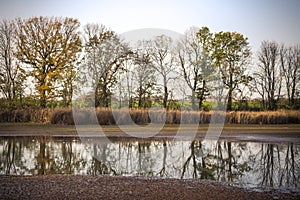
51 54
278 75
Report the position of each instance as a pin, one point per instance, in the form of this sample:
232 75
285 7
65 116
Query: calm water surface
248 164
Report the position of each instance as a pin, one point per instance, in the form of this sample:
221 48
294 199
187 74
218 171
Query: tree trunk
201 96
165 96
105 96
193 100
130 102
43 100
293 91
96 97
140 98
229 101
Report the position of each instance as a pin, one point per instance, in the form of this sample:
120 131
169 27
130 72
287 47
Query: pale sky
256 19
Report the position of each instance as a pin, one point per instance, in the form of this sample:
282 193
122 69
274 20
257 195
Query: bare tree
144 75
129 83
105 53
163 61
11 75
68 80
268 76
290 63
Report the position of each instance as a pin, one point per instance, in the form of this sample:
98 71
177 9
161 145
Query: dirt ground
105 187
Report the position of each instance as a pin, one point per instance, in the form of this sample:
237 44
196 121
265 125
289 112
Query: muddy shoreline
250 133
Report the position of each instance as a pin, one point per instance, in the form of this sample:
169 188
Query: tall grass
27 115
105 116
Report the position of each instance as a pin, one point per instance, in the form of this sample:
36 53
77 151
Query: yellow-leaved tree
49 46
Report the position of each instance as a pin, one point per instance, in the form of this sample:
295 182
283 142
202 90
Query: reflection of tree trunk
42 158
295 180
99 162
70 152
220 169
289 169
10 158
163 170
129 156
229 161
193 157
67 153
204 173
271 167
268 165
140 157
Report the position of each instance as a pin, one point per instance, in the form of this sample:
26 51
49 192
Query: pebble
105 187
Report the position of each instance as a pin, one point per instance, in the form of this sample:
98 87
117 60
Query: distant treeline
45 61
107 116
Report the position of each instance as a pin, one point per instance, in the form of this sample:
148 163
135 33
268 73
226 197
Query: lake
246 164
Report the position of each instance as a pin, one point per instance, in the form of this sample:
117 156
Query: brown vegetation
106 116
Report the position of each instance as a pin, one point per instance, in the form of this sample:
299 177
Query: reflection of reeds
106 116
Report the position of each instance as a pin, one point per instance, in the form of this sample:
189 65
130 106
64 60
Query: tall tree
11 75
268 75
68 82
126 87
195 64
105 53
144 74
163 61
204 37
48 45
290 63
231 53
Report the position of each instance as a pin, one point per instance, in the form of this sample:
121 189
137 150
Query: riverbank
267 133
106 187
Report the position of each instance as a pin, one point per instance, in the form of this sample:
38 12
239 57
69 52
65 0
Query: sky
257 20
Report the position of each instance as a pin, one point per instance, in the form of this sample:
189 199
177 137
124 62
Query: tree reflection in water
99 165
257 164
223 163
277 166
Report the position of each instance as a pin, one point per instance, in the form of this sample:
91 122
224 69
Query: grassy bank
109 117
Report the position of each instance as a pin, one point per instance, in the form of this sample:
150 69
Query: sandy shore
105 187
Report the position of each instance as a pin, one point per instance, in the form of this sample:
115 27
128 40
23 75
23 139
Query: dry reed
106 116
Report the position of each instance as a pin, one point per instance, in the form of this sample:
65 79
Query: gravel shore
106 187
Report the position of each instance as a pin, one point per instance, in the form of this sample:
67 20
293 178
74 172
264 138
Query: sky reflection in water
245 163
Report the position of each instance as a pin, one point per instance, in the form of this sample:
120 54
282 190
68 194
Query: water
250 164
